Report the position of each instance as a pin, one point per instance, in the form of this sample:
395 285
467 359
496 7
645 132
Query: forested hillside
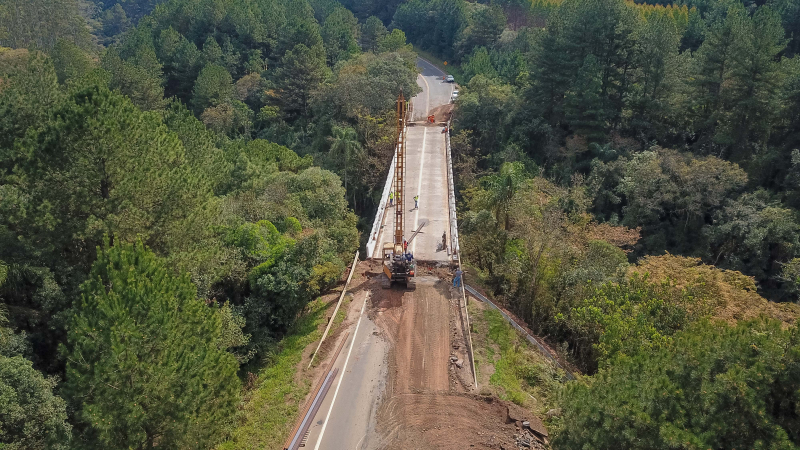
177 183
180 179
627 186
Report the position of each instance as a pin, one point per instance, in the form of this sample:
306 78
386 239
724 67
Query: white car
454 96
450 79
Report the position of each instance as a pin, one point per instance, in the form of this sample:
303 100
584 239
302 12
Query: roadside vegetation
507 366
271 404
180 180
625 177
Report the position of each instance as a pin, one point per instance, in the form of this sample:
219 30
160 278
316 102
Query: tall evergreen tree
302 70
655 77
372 31
143 365
339 35
751 96
712 64
214 86
583 106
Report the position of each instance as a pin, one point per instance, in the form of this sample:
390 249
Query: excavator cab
397 266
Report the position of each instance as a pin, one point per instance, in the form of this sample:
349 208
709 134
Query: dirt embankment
429 403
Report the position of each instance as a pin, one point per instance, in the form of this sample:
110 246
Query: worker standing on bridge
444 241
416 201
391 199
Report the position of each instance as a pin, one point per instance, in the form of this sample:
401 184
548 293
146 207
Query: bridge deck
426 176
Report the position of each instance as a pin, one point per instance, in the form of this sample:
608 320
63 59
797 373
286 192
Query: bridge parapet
451 194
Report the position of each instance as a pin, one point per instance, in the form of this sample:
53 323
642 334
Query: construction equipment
398 266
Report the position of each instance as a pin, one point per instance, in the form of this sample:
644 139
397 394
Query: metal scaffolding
400 169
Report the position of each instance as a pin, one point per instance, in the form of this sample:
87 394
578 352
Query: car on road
450 79
454 96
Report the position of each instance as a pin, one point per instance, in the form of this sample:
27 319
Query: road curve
426 173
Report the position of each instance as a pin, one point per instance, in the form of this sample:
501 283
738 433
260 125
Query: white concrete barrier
451 191
376 224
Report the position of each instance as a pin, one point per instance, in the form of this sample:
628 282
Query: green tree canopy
31 416
143 363
213 87
302 70
372 31
715 386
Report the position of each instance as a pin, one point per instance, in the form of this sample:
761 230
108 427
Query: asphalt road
347 417
426 173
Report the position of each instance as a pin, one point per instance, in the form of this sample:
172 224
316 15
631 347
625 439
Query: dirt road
415 323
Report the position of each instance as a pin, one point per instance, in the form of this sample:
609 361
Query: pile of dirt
426 421
442 112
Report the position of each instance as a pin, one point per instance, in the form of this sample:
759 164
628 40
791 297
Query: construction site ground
408 383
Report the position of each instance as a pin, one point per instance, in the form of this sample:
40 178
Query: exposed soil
442 112
412 322
428 401
428 421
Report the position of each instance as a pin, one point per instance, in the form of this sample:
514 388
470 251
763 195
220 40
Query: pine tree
143 364
106 167
751 95
656 75
213 87
372 31
712 64
583 106
339 33
302 70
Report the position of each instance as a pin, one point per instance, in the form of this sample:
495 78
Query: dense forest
177 182
627 185
179 179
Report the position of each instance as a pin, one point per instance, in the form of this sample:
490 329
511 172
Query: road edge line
335 310
344 371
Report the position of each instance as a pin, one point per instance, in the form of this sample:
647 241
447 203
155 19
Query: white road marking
365 435
419 186
343 372
427 97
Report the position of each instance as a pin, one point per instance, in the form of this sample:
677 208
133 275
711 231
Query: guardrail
454 247
298 436
335 310
455 256
525 333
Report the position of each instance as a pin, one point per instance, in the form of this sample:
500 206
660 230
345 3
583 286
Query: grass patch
520 373
341 314
269 411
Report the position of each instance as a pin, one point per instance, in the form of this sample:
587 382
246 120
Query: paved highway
426 173
347 417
